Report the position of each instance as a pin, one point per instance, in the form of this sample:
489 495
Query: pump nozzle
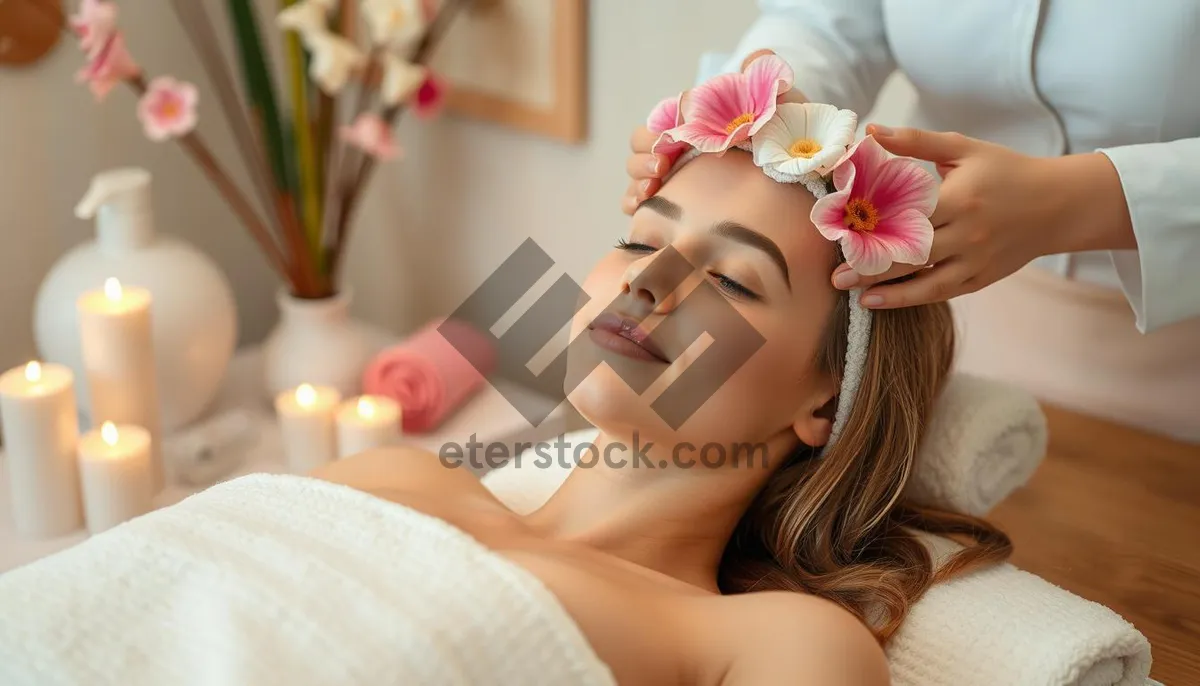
109 186
121 200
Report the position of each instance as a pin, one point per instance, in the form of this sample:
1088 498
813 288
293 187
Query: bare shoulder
783 637
399 468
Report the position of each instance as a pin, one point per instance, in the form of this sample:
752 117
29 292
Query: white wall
436 223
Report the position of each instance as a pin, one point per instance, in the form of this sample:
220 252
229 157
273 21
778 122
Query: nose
652 284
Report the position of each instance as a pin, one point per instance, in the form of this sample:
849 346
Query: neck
670 514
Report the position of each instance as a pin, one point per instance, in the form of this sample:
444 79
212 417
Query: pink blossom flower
728 109
880 211
108 66
430 96
168 109
94 24
665 116
371 134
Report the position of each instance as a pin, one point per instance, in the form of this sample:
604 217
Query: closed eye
623 244
733 287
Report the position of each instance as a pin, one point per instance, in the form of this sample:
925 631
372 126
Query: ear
814 422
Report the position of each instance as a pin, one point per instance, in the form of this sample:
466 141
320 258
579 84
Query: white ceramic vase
317 342
193 314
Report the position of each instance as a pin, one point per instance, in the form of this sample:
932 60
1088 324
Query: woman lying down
389 567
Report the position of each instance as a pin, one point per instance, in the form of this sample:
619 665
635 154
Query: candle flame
33 372
112 289
108 432
366 408
306 395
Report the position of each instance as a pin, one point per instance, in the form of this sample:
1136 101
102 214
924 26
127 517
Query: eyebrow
726 229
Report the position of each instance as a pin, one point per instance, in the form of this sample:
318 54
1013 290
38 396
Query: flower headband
875 206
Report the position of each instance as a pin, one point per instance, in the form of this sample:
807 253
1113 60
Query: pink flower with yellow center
370 133
168 109
108 66
728 109
880 211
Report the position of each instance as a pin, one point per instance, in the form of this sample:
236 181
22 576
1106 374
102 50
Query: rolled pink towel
428 375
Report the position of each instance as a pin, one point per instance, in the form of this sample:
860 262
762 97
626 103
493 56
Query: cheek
601 287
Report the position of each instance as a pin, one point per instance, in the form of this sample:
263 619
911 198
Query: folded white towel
285 580
985 439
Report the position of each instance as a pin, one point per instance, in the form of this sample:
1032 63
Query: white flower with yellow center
803 138
395 24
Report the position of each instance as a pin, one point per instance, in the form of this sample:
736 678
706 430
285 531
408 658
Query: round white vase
193 312
317 342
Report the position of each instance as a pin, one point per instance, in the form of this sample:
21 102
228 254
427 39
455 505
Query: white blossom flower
307 17
395 24
334 59
803 138
400 79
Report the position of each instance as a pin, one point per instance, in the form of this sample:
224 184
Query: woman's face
723 258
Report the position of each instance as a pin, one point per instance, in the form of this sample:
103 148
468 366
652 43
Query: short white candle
365 422
117 475
118 360
306 423
41 430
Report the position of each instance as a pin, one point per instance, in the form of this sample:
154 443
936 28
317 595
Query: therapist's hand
997 210
646 170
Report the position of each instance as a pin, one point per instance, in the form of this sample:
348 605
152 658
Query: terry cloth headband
865 197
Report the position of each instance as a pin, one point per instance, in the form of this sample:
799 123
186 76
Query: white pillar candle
365 422
115 467
306 423
118 362
41 430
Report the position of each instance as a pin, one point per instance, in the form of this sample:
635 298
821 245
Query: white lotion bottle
195 318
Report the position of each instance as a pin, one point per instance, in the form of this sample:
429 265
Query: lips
624 336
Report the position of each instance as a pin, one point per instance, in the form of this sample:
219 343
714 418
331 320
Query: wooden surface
1113 515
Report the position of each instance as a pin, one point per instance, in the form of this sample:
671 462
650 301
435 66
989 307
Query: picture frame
520 64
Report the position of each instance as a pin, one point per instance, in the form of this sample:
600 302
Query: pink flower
728 109
168 109
665 116
430 96
108 66
880 212
94 24
371 134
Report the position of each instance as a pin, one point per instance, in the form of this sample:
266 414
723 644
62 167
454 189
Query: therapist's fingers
933 146
638 191
642 140
939 283
641 166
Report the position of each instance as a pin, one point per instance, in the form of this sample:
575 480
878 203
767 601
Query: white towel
985 439
1002 626
285 580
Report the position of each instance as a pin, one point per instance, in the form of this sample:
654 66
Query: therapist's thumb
933 146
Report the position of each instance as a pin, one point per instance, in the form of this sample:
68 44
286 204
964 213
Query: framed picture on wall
519 63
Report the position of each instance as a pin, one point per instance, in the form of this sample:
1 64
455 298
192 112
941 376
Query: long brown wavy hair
838 527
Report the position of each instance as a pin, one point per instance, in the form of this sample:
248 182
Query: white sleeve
838 48
1161 278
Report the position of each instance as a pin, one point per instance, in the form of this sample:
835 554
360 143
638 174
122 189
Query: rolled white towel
985 439
1002 626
